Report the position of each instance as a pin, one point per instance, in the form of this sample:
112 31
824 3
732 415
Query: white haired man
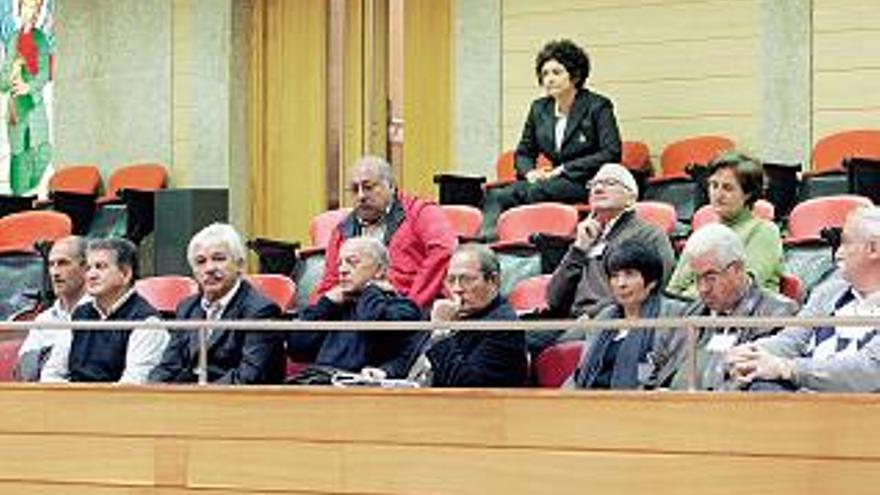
217 257
826 359
363 293
717 257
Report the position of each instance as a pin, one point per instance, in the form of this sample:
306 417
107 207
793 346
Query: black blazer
233 356
591 137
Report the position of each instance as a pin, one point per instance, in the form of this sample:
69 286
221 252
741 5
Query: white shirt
144 351
39 339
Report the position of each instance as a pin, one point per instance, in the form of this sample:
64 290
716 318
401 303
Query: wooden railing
105 439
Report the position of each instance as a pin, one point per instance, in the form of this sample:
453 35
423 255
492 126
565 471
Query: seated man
579 285
363 293
124 356
217 257
717 257
826 359
418 237
67 273
473 358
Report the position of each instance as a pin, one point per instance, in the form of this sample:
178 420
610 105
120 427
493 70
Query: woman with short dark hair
639 358
572 127
735 182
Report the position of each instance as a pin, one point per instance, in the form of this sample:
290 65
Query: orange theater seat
636 156
529 295
278 288
808 218
678 155
79 179
657 213
140 176
19 231
519 222
505 168
165 292
830 151
557 363
465 220
322 226
8 358
706 214
791 286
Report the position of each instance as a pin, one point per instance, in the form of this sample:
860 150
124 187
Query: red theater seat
19 231
530 294
279 288
165 292
557 363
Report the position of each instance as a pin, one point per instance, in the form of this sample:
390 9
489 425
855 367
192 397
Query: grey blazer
857 372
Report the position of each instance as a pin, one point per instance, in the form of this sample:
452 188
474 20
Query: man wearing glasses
718 259
416 233
473 358
579 286
826 359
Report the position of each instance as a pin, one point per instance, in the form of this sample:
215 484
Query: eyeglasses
605 182
711 277
365 187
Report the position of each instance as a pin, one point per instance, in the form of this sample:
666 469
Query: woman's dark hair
572 57
634 255
748 171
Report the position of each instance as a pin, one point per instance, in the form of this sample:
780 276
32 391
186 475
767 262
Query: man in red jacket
419 239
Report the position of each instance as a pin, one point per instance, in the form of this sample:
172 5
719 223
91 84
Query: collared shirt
39 339
144 351
377 229
214 310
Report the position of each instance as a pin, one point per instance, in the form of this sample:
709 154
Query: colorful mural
28 42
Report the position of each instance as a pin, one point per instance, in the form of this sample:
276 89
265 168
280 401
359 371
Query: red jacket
420 243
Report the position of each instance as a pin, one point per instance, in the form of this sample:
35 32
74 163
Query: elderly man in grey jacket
717 256
832 359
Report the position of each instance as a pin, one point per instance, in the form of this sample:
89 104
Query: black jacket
392 351
591 137
481 359
233 356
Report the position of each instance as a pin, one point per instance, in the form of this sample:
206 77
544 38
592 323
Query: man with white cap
579 285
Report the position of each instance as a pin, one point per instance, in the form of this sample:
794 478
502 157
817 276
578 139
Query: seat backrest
505 168
141 176
808 218
557 363
517 223
166 291
830 151
529 294
791 286
81 179
278 288
322 225
19 231
663 215
465 220
762 209
8 358
678 155
635 155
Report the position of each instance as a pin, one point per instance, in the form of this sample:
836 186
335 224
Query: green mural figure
24 74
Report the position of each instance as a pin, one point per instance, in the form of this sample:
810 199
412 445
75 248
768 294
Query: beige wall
113 85
754 70
846 69
673 69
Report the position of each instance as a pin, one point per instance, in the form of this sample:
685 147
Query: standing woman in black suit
572 126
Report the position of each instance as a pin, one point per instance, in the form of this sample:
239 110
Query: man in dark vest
124 356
